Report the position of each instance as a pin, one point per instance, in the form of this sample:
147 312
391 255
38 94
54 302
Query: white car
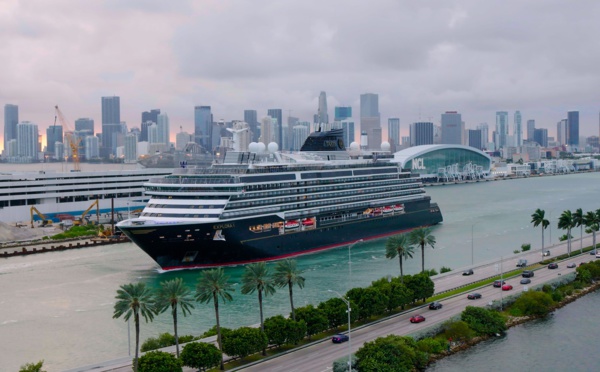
597 254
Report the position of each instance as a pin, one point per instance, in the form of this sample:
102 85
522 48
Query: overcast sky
421 57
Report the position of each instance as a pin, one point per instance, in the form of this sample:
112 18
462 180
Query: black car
468 272
499 283
473 296
527 274
338 339
435 305
553 265
525 281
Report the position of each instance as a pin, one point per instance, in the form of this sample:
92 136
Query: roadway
320 355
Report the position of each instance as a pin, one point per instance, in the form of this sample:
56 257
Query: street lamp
350 262
347 302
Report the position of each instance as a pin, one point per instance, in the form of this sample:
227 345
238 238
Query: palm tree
578 219
286 273
400 246
422 236
213 284
256 278
592 222
537 219
173 293
135 299
566 222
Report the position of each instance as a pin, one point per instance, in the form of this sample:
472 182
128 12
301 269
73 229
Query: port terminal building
444 163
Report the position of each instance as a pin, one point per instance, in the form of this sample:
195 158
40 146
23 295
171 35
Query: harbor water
58 306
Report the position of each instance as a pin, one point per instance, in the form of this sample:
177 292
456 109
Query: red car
417 319
507 287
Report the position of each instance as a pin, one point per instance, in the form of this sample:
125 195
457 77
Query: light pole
347 302
350 262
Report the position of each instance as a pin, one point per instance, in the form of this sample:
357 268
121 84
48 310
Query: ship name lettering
418 163
329 143
223 226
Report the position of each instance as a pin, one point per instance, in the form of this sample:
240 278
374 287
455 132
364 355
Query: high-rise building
111 125
485 136
342 113
147 118
452 128
394 133
54 134
11 119
203 120
277 114
518 129
182 139
561 132
27 141
266 130
530 129
349 131
501 129
541 137
85 124
130 148
573 128
300 134
370 119
163 129
92 147
475 139
251 117
421 133
322 117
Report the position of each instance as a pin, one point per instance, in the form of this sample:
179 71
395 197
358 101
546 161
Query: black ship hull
185 245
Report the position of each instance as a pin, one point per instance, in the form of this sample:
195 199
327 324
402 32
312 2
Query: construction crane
72 139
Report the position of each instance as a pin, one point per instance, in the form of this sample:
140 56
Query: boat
239 210
387 209
291 225
66 195
398 208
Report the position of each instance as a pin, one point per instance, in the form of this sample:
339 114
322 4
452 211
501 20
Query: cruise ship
261 206
63 194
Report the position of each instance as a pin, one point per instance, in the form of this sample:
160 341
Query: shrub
314 319
213 332
525 247
384 353
296 330
431 272
276 330
32 367
186 338
341 365
557 296
431 345
159 361
166 339
534 303
244 341
483 321
150 344
516 251
445 269
200 355
457 330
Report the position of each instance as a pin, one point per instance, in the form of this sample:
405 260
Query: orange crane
72 139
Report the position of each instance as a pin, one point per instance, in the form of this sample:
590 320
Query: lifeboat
388 209
377 211
291 225
398 207
308 222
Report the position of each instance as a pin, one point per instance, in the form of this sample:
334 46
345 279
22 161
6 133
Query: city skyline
157 55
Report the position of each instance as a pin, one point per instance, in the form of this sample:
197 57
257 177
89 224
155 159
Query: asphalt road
320 356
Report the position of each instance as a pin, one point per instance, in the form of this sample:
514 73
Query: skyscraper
54 134
475 139
322 116
370 119
541 137
518 130
277 114
251 118
485 136
452 128
85 124
147 118
501 128
111 125
163 128
203 120
342 113
11 119
27 141
421 133
393 133
530 129
266 130
561 132
573 128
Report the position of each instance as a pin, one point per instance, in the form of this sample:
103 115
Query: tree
276 330
159 361
422 236
174 294
213 284
579 221
400 246
537 219
592 222
566 222
336 311
135 299
286 273
200 355
244 341
32 367
421 286
296 331
314 319
390 353
371 301
256 278
457 330
483 321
